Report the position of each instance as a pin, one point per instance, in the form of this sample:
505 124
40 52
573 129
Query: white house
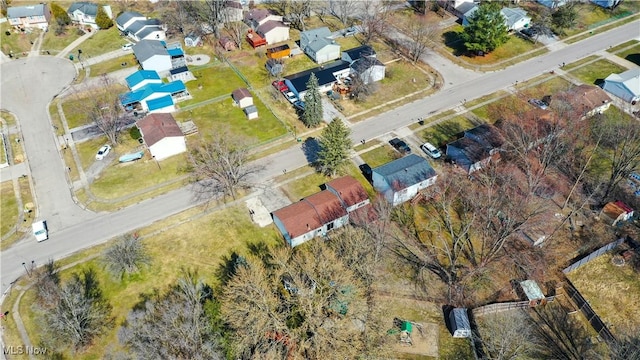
162 135
192 40
401 180
141 78
84 13
515 19
242 97
625 85
138 27
319 46
269 26
369 69
31 16
232 11
326 75
127 18
153 55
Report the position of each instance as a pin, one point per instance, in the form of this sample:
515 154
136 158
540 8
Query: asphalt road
28 85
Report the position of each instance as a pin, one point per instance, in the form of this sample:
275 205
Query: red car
280 85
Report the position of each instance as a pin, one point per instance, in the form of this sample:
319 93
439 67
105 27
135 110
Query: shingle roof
160 103
349 190
324 75
587 96
630 79
141 75
240 93
146 49
487 135
472 150
147 30
155 127
126 16
360 51
406 171
268 26
513 15
179 70
327 205
256 15
363 64
85 7
251 109
298 218
315 39
25 11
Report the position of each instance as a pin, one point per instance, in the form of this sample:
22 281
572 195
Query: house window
329 226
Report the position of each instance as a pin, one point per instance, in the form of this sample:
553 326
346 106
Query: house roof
360 51
179 70
324 74
25 11
233 4
132 97
175 52
513 15
192 36
629 79
256 15
327 205
138 25
126 16
251 109
141 75
472 150
148 30
240 93
155 127
487 135
270 25
406 171
587 96
316 39
465 7
160 103
86 8
363 64
146 49
322 32
349 189
279 48
531 290
298 218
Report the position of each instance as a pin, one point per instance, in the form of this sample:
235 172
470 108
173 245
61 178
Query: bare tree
420 33
506 336
374 17
125 256
178 17
220 165
237 31
209 12
343 9
47 285
174 325
294 11
626 346
101 105
359 89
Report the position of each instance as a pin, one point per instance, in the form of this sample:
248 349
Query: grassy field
75 111
310 184
580 62
56 43
112 65
622 46
380 156
8 207
212 82
611 291
595 72
590 15
25 226
445 132
18 42
103 41
632 54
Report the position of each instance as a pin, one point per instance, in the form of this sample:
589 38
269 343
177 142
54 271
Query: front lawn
632 53
446 131
108 66
75 111
103 41
310 184
595 72
17 42
591 16
212 82
56 43
8 207
380 156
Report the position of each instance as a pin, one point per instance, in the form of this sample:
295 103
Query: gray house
401 180
625 85
84 13
319 46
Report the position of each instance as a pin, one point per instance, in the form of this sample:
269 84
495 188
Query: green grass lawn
212 82
18 42
590 15
56 43
223 113
310 184
103 41
380 156
7 118
442 133
632 54
622 46
580 62
8 207
75 111
595 72
3 153
112 65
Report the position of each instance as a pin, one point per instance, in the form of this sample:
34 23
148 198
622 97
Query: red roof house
162 135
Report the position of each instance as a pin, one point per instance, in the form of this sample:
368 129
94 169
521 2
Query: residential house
251 112
138 27
177 55
356 53
538 125
459 321
530 290
487 135
327 76
232 11
155 98
162 135
268 26
369 69
242 97
127 18
319 46
181 73
192 40
585 100
29 16
457 7
84 13
401 180
153 55
515 19
552 4
351 193
141 78
625 85
476 148
607 4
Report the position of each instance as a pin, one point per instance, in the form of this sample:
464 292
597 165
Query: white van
40 230
431 150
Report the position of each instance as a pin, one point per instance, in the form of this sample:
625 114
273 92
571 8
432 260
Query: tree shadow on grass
444 133
452 40
634 58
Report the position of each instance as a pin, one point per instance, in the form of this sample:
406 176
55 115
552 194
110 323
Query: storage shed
532 292
227 43
279 52
459 320
251 112
242 97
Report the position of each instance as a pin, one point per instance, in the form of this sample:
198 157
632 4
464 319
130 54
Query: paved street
29 84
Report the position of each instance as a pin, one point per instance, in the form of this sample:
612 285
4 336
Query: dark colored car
366 171
299 105
400 145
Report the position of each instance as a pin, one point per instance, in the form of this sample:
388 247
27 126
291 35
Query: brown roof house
242 97
162 135
584 100
317 214
477 148
617 211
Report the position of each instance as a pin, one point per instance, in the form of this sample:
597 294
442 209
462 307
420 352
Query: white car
103 152
431 150
40 230
291 97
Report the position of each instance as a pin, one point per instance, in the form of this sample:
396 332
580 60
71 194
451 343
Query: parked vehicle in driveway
299 105
103 152
431 150
290 96
538 103
400 145
280 85
40 230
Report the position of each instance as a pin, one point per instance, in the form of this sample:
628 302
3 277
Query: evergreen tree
102 19
486 29
312 115
60 14
565 16
334 147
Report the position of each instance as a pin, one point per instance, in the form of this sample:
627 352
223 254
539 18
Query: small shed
242 97
617 211
279 52
192 40
227 43
251 112
274 66
459 320
255 40
532 292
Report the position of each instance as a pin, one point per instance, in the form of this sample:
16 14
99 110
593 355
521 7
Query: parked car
290 96
530 32
280 85
400 145
350 31
431 150
538 103
103 152
40 230
299 105
127 46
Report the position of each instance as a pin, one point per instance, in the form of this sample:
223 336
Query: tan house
30 16
242 97
585 100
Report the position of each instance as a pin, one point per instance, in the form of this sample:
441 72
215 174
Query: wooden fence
506 306
593 255
593 318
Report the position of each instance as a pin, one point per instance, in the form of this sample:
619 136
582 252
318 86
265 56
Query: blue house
607 4
141 78
401 180
155 97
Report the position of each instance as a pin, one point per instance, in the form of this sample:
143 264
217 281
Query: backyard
310 184
211 82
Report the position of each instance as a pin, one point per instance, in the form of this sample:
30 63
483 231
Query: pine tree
334 147
486 30
102 19
312 115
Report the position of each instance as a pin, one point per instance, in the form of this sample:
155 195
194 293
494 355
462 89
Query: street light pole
25 268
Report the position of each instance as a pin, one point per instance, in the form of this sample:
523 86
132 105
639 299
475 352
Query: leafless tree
237 31
294 11
359 90
80 314
506 336
179 17
125 256
174 325
47 285
343 9
374 17
420 33
210 13
626 346
101 105
220 165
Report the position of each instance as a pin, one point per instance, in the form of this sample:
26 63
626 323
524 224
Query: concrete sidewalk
74 44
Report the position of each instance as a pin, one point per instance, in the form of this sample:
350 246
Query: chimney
308 227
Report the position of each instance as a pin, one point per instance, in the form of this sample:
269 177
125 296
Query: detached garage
162 135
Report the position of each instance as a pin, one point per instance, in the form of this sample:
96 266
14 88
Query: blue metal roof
141 75
160 103
406 171
175 52
137 96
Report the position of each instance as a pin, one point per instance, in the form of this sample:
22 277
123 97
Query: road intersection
29 84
